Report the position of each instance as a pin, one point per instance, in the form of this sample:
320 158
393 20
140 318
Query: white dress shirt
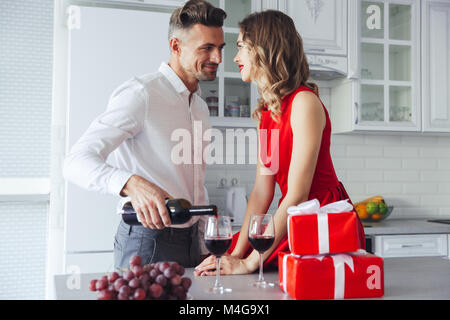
137 128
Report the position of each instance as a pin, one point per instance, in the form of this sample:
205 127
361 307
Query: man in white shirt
139 125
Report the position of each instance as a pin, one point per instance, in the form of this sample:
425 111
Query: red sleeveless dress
325 185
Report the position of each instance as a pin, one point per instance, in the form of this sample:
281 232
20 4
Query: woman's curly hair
279 61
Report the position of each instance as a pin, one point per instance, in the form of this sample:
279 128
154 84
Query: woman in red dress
294 133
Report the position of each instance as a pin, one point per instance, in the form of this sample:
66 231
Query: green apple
382 207
372 207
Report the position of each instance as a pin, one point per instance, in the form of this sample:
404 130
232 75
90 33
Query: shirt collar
175 80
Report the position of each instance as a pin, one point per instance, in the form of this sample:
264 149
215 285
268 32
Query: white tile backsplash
348 163
444 212
435 200
364 175
417 212
419 164
373 139
403 201
444 164
419 141
435 152
400 152
420 188
443 141
382 163
356 151
375 188
401 176
444 188
411 172
437 175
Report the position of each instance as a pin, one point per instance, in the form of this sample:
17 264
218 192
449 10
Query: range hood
323 67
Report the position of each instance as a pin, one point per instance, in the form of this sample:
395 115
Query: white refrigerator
107 46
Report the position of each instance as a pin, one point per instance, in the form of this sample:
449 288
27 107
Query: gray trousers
168 244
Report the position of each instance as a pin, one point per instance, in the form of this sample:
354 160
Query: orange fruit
362 212
377 216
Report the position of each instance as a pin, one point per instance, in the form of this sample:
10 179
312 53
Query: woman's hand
228 265
207 264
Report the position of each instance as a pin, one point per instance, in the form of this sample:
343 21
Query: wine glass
218 235
261 234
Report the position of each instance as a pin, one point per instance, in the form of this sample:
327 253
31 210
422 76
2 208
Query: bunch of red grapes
156 281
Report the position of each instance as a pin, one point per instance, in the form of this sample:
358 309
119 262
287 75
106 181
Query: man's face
201 51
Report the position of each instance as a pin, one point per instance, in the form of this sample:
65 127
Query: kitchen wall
412 172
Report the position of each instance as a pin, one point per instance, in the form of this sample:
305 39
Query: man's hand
148 201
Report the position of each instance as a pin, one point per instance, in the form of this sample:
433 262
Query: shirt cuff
117 181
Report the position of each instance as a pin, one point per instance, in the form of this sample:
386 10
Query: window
26 57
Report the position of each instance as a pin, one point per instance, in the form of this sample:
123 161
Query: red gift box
315 230
336 276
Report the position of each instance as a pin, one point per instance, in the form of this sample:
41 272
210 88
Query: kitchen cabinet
322 24
408 238
323 28
384 93
230 100
436 65
419 245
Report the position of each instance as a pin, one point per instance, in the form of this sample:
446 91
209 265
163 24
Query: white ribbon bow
313 207
339 262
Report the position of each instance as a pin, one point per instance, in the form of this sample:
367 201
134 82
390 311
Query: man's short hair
193 12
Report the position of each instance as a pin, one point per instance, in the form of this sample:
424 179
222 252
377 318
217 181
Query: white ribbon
339 262
284 270
313 207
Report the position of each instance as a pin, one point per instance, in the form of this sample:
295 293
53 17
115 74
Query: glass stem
261 278
218 285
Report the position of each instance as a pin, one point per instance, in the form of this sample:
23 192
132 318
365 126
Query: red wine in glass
218 235
261 243
217 246
261 235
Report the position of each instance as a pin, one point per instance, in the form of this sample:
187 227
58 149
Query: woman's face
243 60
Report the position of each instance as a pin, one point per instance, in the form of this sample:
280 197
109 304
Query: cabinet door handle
412 245
316 49
356 112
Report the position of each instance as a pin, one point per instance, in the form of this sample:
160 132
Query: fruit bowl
378 217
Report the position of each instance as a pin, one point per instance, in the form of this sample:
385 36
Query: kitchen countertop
418 278
404 226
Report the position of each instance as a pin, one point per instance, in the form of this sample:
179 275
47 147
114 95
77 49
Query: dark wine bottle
180 211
